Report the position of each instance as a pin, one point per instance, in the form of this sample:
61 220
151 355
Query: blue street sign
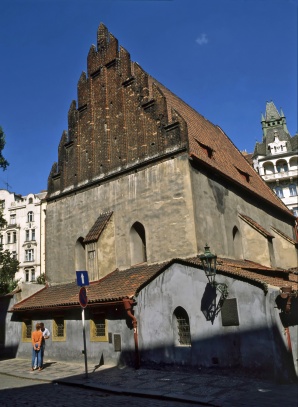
82 278
83 297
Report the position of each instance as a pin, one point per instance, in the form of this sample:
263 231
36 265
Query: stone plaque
117 343
229 312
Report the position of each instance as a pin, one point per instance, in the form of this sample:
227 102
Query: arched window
237 240
268 168
80 258
138 244
30 200
181 327
282 166
30 216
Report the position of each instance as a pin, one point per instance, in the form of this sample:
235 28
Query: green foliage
3 163
41 279
8 267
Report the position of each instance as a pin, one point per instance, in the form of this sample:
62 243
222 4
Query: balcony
281 175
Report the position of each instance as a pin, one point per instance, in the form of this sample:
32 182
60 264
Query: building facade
276 157
141 183
24 233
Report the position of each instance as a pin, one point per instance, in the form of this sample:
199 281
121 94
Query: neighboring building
276 157
142 182
24 234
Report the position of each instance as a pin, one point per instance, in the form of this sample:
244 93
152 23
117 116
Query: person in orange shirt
36 345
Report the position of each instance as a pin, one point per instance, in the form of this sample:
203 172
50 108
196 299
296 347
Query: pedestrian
45 335
36 346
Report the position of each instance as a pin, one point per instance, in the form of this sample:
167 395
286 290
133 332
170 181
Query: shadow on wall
249 351
10 350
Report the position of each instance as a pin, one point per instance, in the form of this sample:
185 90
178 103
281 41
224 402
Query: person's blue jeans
36 354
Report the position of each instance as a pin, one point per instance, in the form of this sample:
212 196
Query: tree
8 267
3 163
8 264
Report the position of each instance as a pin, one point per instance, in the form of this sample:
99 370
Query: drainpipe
128 308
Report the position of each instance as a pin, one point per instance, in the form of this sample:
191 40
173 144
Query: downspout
128 308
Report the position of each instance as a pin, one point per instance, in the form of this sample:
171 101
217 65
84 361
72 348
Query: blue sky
225 58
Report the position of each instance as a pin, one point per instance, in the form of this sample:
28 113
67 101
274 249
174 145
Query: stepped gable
128 283
125 118
118 122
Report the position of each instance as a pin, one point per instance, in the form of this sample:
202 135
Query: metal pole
84 337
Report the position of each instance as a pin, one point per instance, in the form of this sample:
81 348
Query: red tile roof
127 283
225 158
98 227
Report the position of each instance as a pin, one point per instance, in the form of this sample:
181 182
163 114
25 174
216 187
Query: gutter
128 304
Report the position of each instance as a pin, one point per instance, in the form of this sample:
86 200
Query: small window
27 238
2 204
29 255
33 234
181 327
98 328
26 330
30 201
27 276
30 216
293 190
14 237
279 192
59 331
12 219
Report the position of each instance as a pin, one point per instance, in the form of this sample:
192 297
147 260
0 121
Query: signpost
82 280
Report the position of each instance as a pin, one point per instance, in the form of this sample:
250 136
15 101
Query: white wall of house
24 234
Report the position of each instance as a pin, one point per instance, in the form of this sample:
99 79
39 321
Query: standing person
45 335
36 338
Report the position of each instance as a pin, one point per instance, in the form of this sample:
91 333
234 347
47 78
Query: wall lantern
209 263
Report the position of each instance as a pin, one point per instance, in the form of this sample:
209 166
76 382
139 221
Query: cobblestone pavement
212 387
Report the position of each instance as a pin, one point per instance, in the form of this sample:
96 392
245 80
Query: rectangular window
26 330
27 276
8 237
98 328
33 234
59 331
2 204
33 275
14 237
12 219
29 255
27 235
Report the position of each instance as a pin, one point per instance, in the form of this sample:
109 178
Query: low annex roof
128 283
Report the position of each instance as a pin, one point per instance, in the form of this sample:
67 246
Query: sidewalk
211 387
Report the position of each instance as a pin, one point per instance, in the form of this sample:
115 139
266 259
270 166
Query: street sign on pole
83 301
83 297
82 278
